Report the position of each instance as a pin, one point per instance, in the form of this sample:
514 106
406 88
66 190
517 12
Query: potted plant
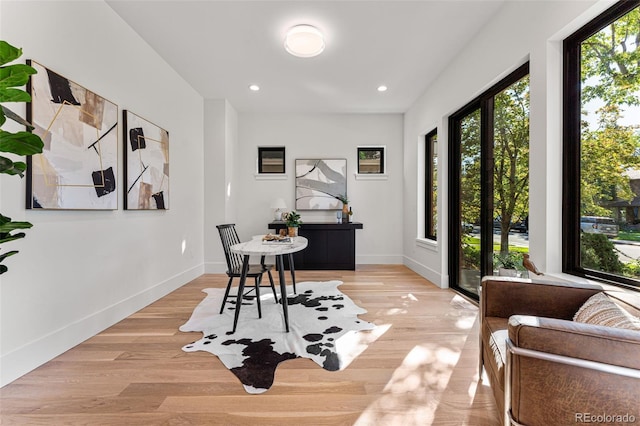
507 263
292 219
18 143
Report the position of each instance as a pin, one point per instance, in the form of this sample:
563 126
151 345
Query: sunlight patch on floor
352 344
466 323
485 379
395 311
425 368
418 387
461 302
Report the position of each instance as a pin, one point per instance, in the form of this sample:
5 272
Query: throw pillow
600 310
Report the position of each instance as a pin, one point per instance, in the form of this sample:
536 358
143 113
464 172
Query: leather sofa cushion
599 309
496 334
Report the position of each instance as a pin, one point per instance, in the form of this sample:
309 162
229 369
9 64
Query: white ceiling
221 47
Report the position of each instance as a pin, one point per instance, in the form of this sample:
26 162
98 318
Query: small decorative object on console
292 219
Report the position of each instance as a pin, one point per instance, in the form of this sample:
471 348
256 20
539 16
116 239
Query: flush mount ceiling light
304 41
254 87
382 88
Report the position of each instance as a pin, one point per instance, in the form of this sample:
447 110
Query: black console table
331 245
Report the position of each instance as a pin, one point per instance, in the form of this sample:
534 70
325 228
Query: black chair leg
226 294
273 287
243 280
258 280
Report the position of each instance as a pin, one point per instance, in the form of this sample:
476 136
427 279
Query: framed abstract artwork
146 164
78 167
319 182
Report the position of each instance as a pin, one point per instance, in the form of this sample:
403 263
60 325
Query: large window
601 220
431 185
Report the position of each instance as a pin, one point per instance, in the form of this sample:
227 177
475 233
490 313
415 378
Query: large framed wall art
319 182
77 169
146 164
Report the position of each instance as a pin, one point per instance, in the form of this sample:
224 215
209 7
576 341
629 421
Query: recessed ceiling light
254 87
382 88
304 41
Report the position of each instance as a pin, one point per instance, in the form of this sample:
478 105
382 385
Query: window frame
430 207
572 148
263 149
383 159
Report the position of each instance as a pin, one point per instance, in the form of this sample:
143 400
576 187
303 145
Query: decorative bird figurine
529 265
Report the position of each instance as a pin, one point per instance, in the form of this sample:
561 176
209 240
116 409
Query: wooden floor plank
419 367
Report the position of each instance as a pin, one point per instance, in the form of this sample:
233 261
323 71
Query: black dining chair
229 237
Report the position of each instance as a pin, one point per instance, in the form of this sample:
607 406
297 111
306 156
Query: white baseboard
423 270
379 259
215 268
31 355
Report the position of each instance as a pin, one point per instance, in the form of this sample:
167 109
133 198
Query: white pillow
600 310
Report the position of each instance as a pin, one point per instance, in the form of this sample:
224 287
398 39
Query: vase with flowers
345 206
293 221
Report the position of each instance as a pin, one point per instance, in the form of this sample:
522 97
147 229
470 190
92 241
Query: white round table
257 247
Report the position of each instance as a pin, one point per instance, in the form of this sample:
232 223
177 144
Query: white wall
520 31
78 272
221 138
376 203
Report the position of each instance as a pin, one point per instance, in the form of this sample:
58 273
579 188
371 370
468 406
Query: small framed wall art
78 167
319 182
146 164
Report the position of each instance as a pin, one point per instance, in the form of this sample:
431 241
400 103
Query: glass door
470 202
511 178
489 184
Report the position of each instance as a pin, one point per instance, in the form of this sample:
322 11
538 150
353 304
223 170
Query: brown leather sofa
544 368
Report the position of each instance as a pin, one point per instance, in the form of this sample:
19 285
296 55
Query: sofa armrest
505 296
560 371
608 345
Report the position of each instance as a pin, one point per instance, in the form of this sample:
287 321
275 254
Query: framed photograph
146 164
78 167
319 182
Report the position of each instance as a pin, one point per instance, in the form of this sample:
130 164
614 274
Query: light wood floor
420 368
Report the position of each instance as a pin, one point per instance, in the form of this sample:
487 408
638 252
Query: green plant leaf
8 52
8 167
21 143
11 226
5 238
3 119
7 254
3 269
15 75
15 117
14 95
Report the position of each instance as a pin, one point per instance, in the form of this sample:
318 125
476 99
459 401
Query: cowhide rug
322 324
